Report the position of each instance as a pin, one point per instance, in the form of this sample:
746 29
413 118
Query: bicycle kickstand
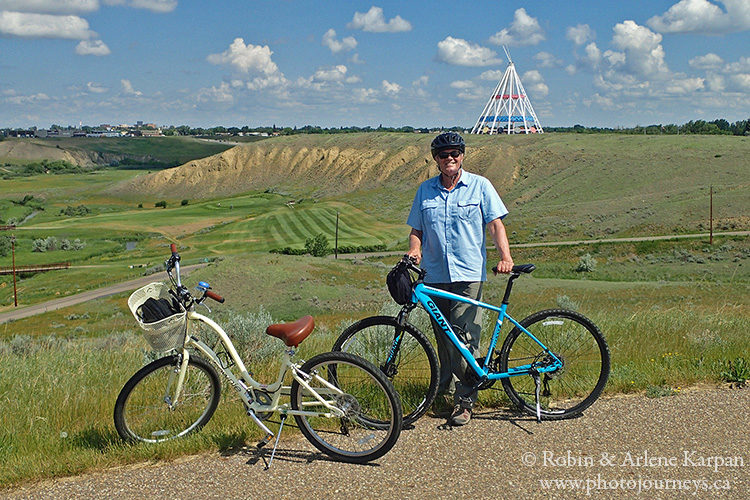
278 435
538 384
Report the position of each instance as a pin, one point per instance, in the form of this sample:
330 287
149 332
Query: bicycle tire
142 413
373 417
415 371
577 341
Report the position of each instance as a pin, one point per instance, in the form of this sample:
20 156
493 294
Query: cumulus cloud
221 94
374 21
246 58
92 48
462 84
28 99
524 30
26 25
462 53
708 61
333 74
702 16
579 34
50 6
684 85
158 6
547 60
127 88
642 48
492 75
365 96
421 81
390 87
95 88
330 41
533 80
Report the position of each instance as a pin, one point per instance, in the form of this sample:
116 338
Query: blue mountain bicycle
553 364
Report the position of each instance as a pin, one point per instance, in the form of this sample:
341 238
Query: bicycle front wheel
371 421
569 390
413 368
147 409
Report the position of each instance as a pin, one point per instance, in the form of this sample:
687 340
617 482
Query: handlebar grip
211 295
173 247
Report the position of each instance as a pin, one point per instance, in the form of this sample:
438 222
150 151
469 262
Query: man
449 219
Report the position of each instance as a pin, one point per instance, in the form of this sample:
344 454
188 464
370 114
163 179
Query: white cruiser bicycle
342 403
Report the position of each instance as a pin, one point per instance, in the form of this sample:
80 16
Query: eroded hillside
319 165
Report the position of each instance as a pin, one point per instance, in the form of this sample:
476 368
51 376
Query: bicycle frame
423 295
246 385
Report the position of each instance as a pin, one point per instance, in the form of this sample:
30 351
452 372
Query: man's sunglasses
445 154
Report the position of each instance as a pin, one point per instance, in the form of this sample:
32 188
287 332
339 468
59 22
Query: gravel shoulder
694 444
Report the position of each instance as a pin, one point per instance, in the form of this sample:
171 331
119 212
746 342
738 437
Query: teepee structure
509 109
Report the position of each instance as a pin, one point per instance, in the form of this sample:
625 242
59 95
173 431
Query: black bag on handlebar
153 310
400 283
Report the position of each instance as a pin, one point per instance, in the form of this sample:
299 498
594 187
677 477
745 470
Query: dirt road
695 444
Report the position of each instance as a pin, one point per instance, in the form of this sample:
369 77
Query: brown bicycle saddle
292 333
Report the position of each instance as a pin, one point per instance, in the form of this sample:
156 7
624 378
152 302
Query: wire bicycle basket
167 333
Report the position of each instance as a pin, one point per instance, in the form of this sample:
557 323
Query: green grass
662 335
675 313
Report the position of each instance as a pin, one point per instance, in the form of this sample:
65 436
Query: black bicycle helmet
447 140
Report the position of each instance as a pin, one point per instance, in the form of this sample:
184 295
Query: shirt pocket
469 209
428 206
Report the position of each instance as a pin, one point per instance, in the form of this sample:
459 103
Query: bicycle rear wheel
569 390
372 420
146 409
413 369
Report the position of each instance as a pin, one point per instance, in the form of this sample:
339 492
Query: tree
318 245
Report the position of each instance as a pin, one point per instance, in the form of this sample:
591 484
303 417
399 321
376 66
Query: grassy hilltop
675 313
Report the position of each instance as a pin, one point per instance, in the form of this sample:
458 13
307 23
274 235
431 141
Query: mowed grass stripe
291 228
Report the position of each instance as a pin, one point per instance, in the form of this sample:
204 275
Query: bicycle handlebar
211 295
173 262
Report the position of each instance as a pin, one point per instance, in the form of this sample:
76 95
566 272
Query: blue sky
340 63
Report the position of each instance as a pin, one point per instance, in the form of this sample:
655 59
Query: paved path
52 305
692 445
573 242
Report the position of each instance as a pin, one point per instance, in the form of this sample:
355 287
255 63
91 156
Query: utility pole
13 253
711 215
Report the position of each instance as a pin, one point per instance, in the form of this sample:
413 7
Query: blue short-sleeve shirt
453 225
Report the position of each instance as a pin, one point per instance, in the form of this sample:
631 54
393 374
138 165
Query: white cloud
524 30
741 66
374 21
492 75
579 34
92 48
50 6
246 58
365 96
127 88
642 47
740 82
421 81
603 101
26 25
534 81
221 94
702 16
346 44
333 74
708 61
547 60
390 87
27 99
684 85
462 53
158 6
462 84
95 88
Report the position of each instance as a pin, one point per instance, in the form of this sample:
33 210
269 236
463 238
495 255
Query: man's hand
416 255
504 266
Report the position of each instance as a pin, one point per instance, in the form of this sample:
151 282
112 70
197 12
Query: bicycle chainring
263 398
